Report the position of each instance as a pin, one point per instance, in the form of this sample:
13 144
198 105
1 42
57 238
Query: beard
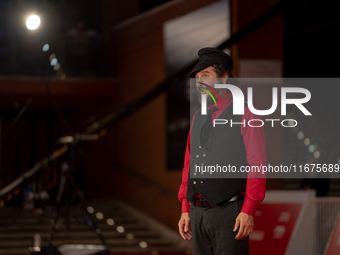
211 81
210 101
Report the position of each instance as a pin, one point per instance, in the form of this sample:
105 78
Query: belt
203 203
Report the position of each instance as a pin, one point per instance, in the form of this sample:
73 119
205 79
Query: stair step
113 250
46 221
29 215
74 227
18 227
57 242
75 234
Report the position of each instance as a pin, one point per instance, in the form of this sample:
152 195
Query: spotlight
311 148
110 222
99 215
33 22
62 76
90 209
306 141
129 236
54 62
52 56
46 47
120 229
143 244
56 67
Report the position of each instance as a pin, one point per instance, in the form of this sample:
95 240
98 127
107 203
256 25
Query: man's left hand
245 223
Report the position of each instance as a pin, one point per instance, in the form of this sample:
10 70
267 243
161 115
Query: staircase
125 229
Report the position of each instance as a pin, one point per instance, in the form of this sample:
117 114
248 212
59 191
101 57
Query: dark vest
227 149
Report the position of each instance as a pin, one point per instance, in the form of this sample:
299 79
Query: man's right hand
184 226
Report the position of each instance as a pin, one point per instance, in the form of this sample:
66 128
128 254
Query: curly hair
220 70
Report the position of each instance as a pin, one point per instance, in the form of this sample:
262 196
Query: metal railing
327 211
145 179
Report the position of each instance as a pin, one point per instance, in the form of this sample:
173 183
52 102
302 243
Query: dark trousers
212 230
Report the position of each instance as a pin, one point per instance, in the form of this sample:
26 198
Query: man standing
218 213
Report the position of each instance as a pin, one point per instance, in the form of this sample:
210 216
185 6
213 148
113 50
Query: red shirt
255 144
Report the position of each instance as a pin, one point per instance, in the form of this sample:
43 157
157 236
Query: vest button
202 173
197 156
194 182
204 155
200 146
201 181
202 164
195 165
194 173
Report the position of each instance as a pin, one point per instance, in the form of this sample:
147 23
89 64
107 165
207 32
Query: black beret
210 57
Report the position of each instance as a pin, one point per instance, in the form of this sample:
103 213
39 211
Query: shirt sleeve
183 188
255 144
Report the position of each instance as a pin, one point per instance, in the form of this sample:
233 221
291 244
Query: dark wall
312 47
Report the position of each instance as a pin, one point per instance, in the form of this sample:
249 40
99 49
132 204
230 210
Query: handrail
145 179
41 164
